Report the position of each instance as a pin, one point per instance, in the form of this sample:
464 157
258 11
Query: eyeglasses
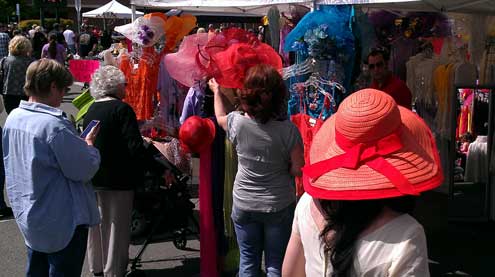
377 65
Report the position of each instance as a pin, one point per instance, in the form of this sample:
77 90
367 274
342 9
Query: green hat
82 103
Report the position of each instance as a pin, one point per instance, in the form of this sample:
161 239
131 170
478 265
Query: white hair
105 81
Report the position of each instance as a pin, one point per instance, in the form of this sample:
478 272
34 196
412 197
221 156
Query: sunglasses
377 65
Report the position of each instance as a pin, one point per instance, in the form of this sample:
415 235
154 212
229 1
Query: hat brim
417 160
182 66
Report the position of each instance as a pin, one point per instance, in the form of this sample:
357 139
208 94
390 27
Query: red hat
229 67
196 133
370 149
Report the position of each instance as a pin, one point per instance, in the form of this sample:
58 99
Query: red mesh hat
229 67
196 134
182 66
232 52
370 149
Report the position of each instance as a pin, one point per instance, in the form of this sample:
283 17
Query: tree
7 9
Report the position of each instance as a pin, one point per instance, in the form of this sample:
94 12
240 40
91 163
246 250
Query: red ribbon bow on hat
371 154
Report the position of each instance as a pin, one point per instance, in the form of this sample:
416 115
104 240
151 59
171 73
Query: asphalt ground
161 257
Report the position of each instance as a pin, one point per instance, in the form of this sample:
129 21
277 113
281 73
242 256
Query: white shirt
397 248
31 33
69 36
477 161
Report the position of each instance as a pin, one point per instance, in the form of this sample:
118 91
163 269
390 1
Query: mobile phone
90 126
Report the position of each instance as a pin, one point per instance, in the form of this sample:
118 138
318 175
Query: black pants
12 101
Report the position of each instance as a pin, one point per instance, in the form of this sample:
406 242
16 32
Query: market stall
440 53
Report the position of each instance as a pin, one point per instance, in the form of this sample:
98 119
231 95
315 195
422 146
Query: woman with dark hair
54 50
368 161
38 41
270 154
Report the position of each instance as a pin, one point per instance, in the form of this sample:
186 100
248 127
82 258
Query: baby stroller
161 205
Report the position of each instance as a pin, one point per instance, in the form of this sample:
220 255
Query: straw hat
370 149
145 30
196 134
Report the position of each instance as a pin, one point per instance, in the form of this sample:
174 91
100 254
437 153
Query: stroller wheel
138 223
180 239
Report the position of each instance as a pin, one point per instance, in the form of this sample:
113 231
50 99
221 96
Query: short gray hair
105 81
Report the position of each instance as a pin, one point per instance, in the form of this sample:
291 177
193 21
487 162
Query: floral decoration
145 34
317 43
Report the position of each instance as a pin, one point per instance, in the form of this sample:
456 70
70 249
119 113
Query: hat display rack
324 47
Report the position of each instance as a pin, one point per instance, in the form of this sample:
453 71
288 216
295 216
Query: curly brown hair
264 95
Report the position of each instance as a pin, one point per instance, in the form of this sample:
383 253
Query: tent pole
133 14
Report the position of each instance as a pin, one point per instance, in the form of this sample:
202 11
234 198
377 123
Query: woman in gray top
270 154
14 72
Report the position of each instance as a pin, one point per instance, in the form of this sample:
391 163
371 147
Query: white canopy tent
260 7
112 9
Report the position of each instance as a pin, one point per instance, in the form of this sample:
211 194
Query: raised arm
219 104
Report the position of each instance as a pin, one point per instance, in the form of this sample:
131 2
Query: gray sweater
14 74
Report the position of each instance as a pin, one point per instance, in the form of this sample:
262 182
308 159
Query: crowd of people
59 42
367 164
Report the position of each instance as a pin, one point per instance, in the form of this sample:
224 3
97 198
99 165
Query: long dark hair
348 219
264 93
52 49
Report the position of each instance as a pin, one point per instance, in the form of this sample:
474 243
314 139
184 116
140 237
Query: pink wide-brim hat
183 65
371 149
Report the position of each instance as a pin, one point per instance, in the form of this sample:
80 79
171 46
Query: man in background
70 39
87 42
384 80
32 31
4 41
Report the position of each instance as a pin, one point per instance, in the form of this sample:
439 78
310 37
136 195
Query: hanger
298 69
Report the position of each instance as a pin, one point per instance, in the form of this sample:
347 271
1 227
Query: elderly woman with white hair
122 154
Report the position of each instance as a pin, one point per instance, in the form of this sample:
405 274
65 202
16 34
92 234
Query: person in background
4 41
123 156
106 39
369 162
54 50
264 195
5 211
58 31
70 39
211 30
87 42
32 31
201 30
14 70
38 41
51 196
384 80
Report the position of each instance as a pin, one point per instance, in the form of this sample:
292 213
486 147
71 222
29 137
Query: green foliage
26 24
7 9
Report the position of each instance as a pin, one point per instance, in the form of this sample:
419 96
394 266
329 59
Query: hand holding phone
91 125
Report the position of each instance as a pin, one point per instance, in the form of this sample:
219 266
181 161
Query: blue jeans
257 232
64 263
